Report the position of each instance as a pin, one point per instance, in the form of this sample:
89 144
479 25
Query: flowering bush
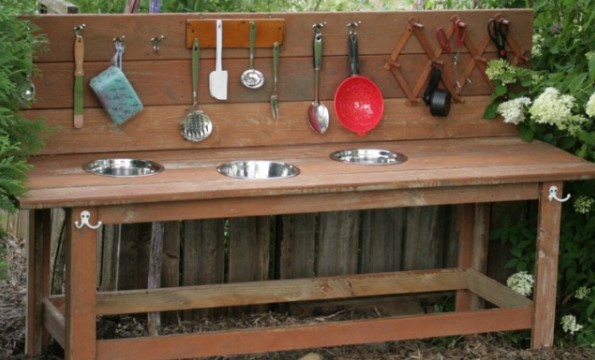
521 282
554 101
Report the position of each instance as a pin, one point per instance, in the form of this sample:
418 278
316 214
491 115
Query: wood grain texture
289 290
81 285
192 175
316 335
546 273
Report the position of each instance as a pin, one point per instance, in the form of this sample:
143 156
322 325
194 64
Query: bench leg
473 227
81 284
546 268
38 279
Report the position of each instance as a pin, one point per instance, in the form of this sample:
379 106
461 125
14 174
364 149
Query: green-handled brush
79 57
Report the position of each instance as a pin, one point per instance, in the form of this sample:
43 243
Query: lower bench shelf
513 312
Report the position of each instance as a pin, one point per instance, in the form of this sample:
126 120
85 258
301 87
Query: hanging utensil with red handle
358 103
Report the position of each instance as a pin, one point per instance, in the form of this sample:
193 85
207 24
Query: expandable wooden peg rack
416 27
268 31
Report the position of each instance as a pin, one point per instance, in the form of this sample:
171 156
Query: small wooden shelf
235 32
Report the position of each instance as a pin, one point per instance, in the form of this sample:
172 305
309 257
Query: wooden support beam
546 267
314 335
473 224
494 292
272 291
38 282
53 320
81 285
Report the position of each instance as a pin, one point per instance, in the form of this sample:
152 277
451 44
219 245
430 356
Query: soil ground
490 346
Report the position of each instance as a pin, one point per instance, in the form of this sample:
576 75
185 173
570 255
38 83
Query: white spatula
218 78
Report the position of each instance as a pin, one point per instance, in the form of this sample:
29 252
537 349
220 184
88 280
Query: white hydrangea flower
501 69
513 111
590 107
521 282
537 43
569 324
552 108
583 204
582 292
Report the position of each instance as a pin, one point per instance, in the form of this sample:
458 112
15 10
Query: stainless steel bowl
258 169
369 156
123 167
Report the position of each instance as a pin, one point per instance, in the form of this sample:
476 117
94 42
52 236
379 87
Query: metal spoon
318 116
252 78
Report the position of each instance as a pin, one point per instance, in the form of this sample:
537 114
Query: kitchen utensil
498 31
79 57
438 99
318 116
252 78
274 100
218 78
197 125
359 104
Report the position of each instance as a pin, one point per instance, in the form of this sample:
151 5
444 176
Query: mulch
489 346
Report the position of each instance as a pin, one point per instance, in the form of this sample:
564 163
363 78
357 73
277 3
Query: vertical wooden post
473 224
38 279
546 268
81 283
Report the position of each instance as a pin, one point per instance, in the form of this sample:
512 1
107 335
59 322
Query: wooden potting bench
460 159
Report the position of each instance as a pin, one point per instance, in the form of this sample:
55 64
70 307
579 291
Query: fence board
203 255
425 229
382 240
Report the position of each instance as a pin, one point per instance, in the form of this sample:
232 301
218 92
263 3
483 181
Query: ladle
318 115
252 78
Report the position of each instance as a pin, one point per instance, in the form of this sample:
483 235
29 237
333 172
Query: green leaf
500 90
527 134
491 111
586 137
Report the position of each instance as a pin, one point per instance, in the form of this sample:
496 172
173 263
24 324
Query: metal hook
353 25
79 29
554 195
119 40
156 41
318 27
85 216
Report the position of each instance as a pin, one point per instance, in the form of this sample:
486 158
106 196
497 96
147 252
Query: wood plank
203 255
101 29
546 267
474 234
338 243
236 207
156 128
235 32
422 248
382 240
271 291
37 279
249 252
298 246
494 292
171 262
54 322
315 335
171 85
81 285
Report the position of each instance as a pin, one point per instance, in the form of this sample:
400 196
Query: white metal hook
554 195
85 216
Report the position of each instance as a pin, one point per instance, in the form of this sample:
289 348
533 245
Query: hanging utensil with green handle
79 58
